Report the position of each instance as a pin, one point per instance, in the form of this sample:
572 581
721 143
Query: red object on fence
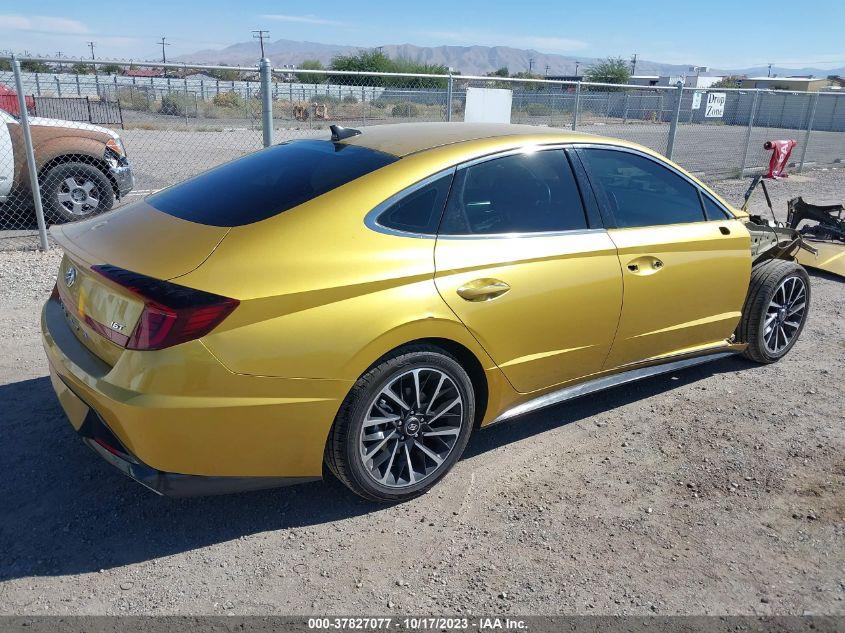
781 150
9 101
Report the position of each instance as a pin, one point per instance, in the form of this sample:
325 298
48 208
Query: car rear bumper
210 431
96 434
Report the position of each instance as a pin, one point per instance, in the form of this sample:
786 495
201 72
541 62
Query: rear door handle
724 230
483 289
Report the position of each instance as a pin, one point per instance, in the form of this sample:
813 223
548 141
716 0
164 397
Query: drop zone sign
715 107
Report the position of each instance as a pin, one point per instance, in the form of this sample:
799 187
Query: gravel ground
717 490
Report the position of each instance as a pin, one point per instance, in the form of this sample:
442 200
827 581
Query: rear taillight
172 313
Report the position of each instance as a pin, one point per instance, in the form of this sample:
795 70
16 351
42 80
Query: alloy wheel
785 314
411 427
78 195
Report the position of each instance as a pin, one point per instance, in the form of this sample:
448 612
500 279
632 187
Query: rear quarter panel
322 295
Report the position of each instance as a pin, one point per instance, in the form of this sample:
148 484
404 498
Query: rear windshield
268 182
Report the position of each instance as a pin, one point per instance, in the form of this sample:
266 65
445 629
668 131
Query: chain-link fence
98 141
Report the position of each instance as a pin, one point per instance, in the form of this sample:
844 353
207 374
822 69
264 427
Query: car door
685 269
528 268
7 157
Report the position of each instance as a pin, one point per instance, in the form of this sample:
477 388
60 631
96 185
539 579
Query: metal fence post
810 118
30 157
673 127
754 104
266 102
576 106
449 89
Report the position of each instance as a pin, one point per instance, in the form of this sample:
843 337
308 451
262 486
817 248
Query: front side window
418 211
640 191
522 193
713 211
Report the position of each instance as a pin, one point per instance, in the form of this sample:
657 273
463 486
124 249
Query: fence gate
79 109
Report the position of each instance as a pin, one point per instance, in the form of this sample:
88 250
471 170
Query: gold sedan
366 302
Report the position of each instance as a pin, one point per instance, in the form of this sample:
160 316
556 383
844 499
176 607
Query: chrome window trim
371 219
503 236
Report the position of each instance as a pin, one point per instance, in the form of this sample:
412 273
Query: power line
261 35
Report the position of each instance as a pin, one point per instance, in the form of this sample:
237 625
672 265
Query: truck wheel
775 310
403 425
75 191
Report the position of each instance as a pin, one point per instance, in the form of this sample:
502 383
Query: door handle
724 230
483 289
645 265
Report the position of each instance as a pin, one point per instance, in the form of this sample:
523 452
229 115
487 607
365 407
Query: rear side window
265 183
418 211
533 192
641 192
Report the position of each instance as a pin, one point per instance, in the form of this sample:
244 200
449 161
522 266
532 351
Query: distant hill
469 60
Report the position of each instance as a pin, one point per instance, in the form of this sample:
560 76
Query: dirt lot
720 489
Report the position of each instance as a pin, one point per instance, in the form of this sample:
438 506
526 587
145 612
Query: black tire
343 453
766 280
56 187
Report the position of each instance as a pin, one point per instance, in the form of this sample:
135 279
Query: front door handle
645 265
483 289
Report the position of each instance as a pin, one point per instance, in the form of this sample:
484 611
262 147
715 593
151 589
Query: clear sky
718 33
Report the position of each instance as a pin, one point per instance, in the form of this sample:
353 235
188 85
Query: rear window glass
265 183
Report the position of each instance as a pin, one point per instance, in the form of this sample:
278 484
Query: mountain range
469 60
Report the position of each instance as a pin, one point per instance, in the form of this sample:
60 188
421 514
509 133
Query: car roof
402 139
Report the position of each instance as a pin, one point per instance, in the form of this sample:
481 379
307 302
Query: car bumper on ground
124 179
215 432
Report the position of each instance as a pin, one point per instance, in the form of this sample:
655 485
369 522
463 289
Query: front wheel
403 425
75 191
775 310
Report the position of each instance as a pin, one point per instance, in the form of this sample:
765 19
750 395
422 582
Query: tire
440 425
778 293
90 194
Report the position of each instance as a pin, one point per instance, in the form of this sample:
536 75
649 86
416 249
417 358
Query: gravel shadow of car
65 511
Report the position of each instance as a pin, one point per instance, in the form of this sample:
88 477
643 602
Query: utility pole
91 46
547 70
261 35
530 65
577 63
59 57
163 43
634 64
770 71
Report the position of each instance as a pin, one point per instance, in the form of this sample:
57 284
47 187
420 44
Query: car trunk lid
101 312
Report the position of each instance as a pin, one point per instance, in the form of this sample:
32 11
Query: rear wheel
75 191
775 310
403 426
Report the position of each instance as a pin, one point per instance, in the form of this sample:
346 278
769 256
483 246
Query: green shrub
132 99
229 99
324 99
178 104
405 109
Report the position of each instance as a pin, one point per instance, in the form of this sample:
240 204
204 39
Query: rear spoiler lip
70 247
